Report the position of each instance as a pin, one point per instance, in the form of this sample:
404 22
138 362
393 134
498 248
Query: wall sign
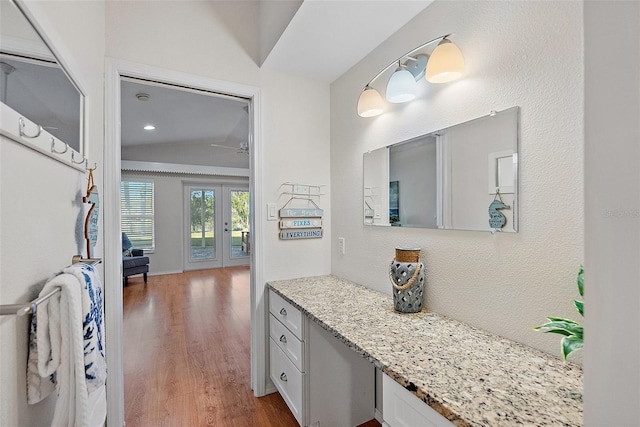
295 213
301 223
314 233
91 221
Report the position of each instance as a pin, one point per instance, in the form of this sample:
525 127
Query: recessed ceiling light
149 127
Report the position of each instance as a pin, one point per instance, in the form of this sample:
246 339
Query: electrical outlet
341 245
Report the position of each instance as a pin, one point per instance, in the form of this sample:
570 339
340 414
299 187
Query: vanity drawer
286 313
287 379
288 343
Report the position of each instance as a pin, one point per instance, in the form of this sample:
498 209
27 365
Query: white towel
37 387
92 324
53 331
60 349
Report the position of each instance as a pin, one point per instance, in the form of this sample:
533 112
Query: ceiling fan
244 148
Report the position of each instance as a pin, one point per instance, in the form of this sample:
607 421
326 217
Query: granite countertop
471 377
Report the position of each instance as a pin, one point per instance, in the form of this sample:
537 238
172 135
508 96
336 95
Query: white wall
517 53
169 216
612 237
41 202
296 133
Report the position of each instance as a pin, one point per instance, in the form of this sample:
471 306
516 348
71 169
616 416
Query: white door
216 226
236 245
203 221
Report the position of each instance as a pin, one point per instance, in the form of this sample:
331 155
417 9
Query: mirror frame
368 211
19 128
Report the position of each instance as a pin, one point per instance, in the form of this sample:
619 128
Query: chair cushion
134 261
126 243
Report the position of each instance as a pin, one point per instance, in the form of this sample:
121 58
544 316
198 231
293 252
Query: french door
216 226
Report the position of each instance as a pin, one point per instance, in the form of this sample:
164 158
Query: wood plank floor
187 353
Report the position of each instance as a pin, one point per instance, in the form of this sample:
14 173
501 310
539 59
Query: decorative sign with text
301 223
295 213
313 233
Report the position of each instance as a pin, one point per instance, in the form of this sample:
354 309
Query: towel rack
22 309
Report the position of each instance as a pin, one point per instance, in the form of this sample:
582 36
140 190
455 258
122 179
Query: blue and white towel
67 343
92 324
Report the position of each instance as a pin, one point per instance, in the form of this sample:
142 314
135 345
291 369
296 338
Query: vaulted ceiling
316 39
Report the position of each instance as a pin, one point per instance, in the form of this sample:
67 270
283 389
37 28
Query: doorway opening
117 71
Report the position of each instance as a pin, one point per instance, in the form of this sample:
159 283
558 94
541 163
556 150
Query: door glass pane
202 224
239 223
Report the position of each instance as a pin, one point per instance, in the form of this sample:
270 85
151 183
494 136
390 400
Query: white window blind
136 204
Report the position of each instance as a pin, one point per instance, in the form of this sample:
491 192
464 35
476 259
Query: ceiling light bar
445 64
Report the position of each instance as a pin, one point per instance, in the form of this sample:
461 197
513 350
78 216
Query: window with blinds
136 204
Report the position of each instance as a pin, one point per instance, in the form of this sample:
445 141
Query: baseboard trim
161 273
377 414
270 389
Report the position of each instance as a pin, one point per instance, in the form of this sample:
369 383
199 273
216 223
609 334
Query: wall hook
21 127
53 147
73 160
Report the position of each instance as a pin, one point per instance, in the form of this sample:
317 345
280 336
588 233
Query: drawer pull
283 339
283 377
283 311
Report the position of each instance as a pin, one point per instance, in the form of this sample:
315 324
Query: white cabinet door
403 409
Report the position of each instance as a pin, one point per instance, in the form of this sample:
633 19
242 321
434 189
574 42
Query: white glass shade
402 87
446 63
370 103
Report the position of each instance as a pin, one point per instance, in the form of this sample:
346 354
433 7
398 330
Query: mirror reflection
33 83
457 178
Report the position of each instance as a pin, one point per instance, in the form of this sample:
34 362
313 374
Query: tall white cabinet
323 382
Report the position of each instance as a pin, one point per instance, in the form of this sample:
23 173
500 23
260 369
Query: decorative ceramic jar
407 274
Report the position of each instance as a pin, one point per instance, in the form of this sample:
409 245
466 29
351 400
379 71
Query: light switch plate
272 212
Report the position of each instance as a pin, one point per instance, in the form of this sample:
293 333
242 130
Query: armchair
133 260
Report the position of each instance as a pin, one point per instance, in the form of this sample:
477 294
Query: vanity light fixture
445 64
149 127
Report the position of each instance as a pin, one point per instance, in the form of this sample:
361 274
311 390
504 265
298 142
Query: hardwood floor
187 353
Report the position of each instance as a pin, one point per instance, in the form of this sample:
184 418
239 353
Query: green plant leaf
580 306
581 281
560 319
566 328
553 331
569 345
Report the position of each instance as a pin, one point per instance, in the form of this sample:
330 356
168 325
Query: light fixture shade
370 103
446 63
402 87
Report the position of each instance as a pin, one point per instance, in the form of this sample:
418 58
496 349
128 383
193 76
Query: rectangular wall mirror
41 106
447 179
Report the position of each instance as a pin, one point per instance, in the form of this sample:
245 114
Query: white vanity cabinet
323 381
286 351
401 408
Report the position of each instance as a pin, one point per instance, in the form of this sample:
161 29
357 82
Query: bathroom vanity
436 371
306 362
